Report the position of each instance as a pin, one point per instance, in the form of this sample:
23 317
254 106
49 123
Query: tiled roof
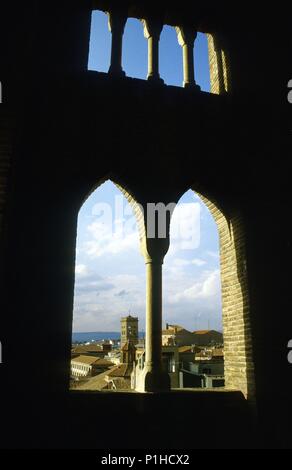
206 332
201 332
89 360
86 348
100 382
122 370
104 362
178 331
122 383
95 383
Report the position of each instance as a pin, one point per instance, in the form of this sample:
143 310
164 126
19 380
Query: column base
192 86
156 382
117 73
155 80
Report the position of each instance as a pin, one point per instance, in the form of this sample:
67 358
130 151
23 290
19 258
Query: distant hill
206 337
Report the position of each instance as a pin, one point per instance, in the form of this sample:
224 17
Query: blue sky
110 271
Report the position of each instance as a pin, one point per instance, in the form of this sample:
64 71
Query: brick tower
129 330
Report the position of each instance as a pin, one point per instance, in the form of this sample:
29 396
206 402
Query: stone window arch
239 369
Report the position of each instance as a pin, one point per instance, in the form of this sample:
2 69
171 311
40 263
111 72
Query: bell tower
129 330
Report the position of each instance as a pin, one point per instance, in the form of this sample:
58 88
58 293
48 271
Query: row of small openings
135 52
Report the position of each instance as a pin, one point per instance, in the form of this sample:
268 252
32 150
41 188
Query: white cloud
213 254
198 262
185 229
81 270
208 286
180 262
193 303
100 303
107 241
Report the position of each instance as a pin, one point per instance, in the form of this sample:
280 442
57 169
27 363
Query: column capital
116 21
152 28
157 261
154 250
186 35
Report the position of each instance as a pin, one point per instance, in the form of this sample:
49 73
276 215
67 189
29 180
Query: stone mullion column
154 316
117 23
186 39
152 32
156 379
154 244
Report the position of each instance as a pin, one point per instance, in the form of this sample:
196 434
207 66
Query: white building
88 366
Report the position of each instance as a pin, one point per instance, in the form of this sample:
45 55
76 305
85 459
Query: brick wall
239 366
219 66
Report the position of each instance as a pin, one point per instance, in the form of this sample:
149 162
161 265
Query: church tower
129 330
128 353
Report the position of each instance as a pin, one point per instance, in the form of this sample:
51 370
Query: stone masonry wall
219 72
239 366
